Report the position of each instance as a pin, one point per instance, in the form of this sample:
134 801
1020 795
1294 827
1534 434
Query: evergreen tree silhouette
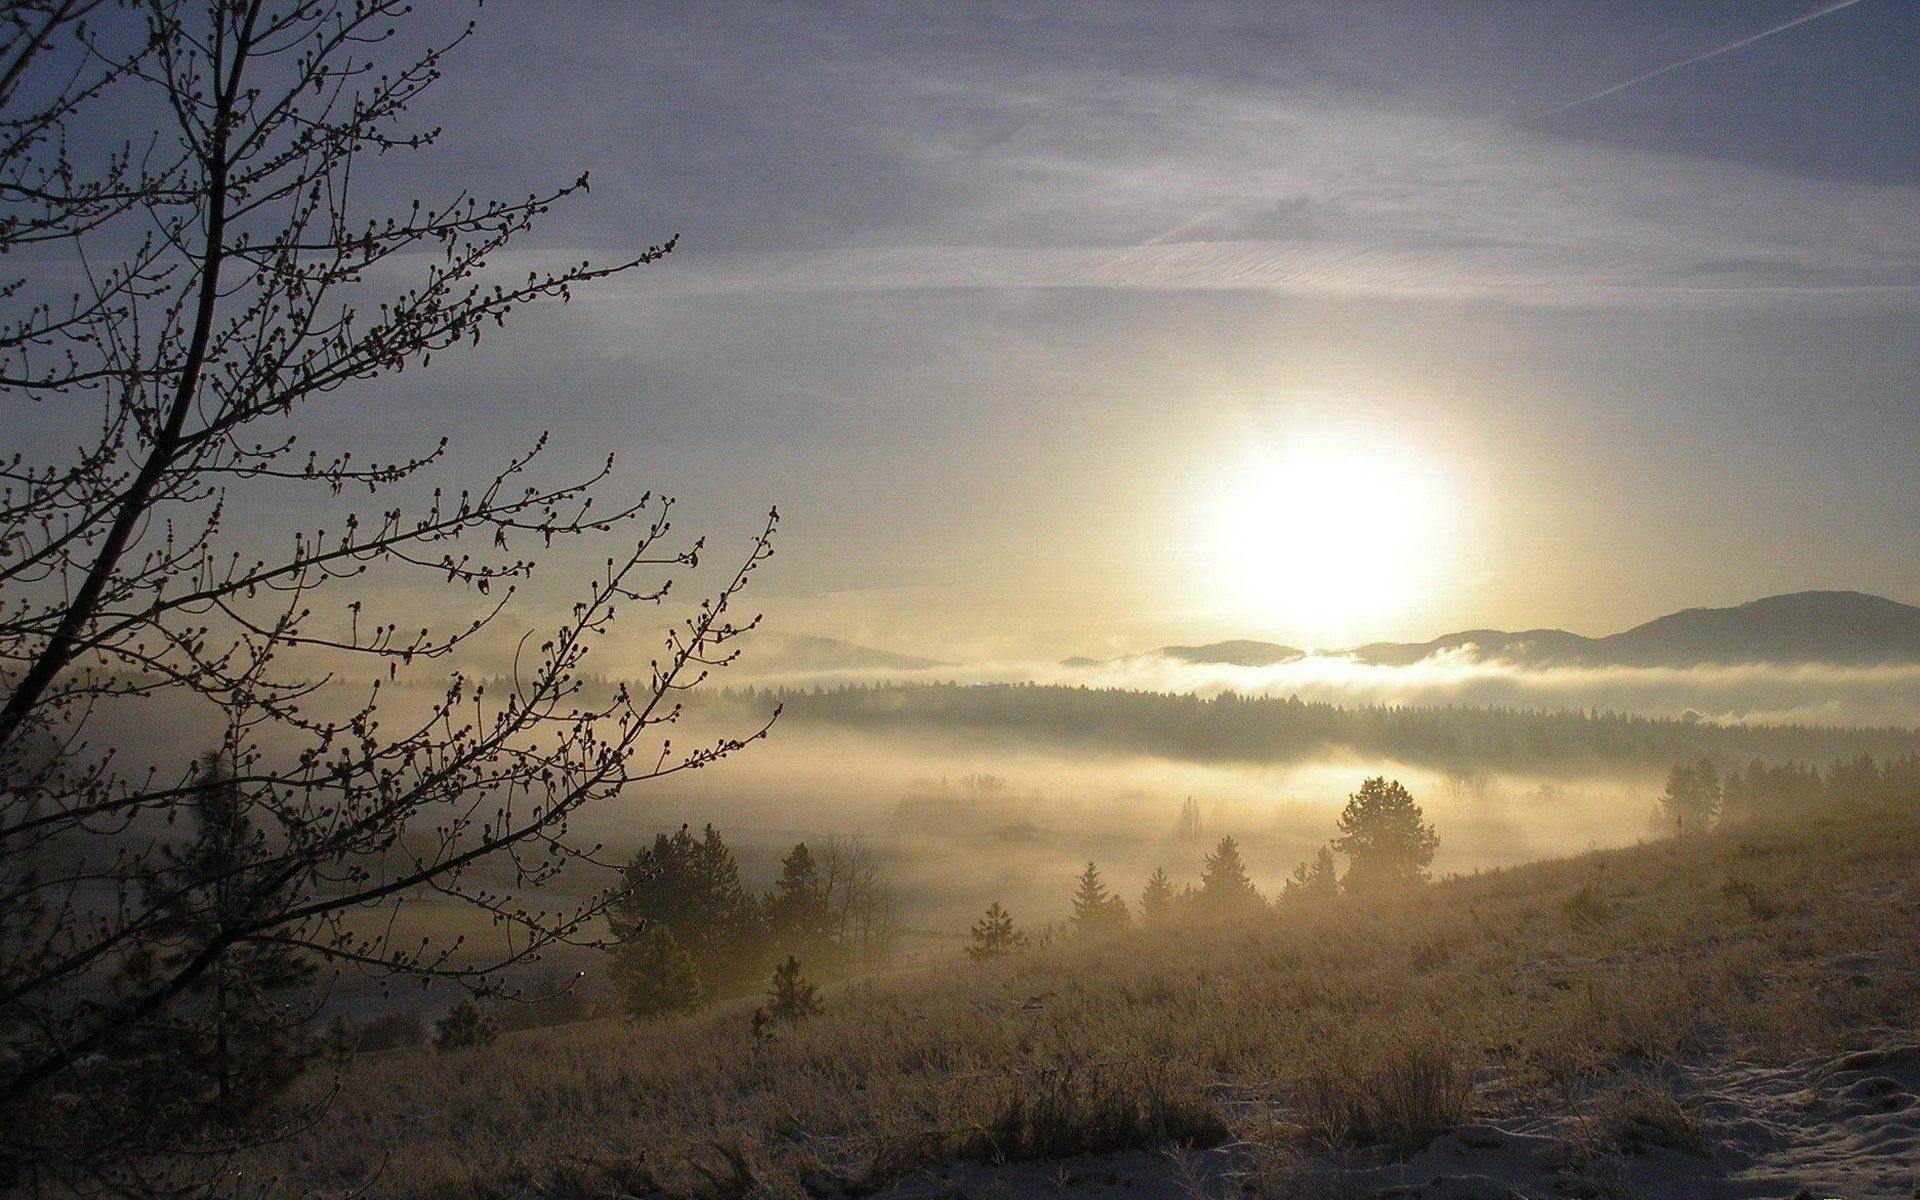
994 935
1385 837
1156 901
656 975
1225 887
1097 911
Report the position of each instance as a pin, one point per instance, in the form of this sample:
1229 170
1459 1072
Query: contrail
1671 67
1613 89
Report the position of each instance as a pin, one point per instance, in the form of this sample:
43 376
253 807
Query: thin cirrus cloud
1516 217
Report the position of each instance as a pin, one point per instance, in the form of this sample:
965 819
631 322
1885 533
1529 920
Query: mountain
773 653
1805 627
1845 628
1237 653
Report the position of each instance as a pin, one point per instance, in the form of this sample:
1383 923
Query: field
1664 1019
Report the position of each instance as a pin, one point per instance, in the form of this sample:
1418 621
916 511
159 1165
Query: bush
391 1032
1404 1100
464 1028
1058 1112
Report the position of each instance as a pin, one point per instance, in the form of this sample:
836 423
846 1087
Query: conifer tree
1096 910
1385 837
1692 797
1156 901
994 935
464 1028
1224 885
692 886
240 1038
797 915
790 996
1318 880
656 976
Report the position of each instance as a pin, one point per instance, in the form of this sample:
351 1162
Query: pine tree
656 976
1097 911
1385 837
789 996
994 935
692 886
797 914
1692 797
1317 880
464 1028
238 1032
1156 901
1187 828
1224 885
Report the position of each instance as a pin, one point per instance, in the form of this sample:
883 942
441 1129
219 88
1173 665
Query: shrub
1058 1112
464 1028
1586 908
1405 1100
396 1029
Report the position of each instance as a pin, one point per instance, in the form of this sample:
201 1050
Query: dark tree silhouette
195 290
1318 880
797 915
692 886
1096 910
1385 837
994 936
1225 888
463 1028
1156 899
655 975
789 995
1692 797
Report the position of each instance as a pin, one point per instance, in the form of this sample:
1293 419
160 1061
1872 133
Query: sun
1329 538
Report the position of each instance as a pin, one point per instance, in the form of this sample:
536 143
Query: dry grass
1349 1024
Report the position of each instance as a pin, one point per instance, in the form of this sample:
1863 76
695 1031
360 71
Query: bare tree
184 292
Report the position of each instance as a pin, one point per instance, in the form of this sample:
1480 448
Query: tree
655 975
1097 911
1156 900
789 995
692 887
862 907
1692 796
1385 837
1225 888
797 914
195 291
464 1028
239 1025
994 936
1318 880
1187 828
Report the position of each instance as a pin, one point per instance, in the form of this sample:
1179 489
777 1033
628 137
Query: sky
1080 329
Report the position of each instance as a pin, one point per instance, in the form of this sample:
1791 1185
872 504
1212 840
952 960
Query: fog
965 816
1753 693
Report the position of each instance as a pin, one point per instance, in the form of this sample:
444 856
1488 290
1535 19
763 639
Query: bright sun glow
1331 538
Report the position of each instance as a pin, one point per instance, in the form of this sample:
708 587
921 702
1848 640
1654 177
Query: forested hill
1232 728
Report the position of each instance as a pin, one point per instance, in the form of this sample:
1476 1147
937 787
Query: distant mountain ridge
1840 628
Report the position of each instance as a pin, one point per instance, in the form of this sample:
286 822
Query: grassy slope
1356 1022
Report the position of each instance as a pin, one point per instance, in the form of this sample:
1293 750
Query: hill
1725 1015
1842 628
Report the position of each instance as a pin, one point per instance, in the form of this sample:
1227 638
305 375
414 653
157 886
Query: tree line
1700 794
1383 834
689 931
1269 729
